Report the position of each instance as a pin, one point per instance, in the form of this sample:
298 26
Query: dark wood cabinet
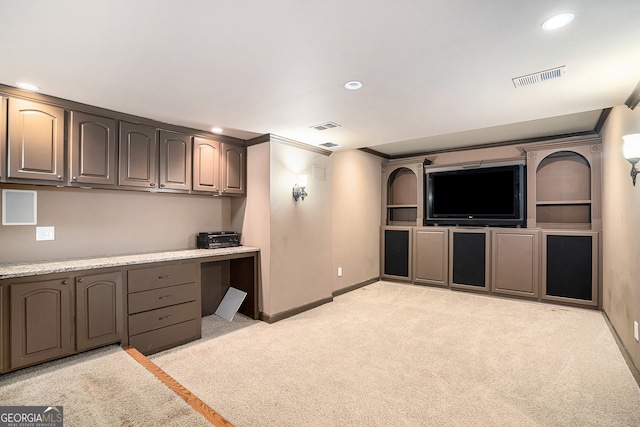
233 169
99 309
175 161
138 156
35 141
41 320
514 262
206 165
92 149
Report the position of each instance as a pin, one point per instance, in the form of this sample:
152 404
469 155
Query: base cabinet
396 253
469 259
570 266
431 256
99 310
41 314
514 262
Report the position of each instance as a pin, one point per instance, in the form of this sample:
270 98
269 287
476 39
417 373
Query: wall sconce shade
298 189
631 151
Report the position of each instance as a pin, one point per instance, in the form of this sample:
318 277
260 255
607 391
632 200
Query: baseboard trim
625 353
293 311
354 287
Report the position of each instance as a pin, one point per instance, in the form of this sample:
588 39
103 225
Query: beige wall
106 222
621 223
295 237
356 195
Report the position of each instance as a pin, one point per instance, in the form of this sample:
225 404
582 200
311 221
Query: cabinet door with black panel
99 309
469 259
35 141
396 252
175 161
233 169
514 262
206 165
41 321
570 267
138 156
431 256
92 149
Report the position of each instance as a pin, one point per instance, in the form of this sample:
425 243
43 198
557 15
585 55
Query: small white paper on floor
230 303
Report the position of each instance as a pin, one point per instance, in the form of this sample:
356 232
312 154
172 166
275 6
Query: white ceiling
436 74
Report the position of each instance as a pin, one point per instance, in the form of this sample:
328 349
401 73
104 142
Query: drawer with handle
144 279
155 319
163 297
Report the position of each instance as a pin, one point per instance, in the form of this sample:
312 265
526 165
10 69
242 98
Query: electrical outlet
339 271
635 331
45 233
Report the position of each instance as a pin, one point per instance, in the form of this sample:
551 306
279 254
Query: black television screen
489 196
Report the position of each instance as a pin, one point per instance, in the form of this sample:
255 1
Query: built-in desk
151 301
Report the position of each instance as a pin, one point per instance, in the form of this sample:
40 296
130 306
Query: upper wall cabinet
206 165
35 141
233 169
92 149
138 147
175 161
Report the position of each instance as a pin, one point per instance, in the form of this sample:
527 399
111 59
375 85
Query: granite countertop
22 269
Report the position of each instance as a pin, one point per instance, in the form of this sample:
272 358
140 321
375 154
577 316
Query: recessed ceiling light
353 85
27 86
216 130
557 21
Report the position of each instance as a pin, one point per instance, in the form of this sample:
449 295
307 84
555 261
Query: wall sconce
631 152
298 189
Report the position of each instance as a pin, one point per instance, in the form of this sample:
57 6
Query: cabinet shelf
401 206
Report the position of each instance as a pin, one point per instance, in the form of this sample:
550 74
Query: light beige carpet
102 387
395 354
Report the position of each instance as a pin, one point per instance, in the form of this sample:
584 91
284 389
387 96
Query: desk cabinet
41 314
164 306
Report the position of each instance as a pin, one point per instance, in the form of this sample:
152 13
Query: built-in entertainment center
514 220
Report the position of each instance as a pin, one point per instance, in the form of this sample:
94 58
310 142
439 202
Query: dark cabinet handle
80 280
164 277
164 296
164 317
161 185
65 281
59 177
151 184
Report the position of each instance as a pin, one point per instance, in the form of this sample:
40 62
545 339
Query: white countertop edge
8 271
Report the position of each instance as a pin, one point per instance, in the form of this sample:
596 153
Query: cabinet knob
161 185
152 184
80 280
59 177
65 281
75 178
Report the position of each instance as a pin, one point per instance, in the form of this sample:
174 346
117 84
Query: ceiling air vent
325 126
539 77
328 145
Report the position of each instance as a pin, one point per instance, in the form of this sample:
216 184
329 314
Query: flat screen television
484 196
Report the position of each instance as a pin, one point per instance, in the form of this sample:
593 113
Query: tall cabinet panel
99 310
396 253
233 169
138 151
469 259
36 141
3 140
175 161
40 321
431 256
570 267
92 149
206 165
515 262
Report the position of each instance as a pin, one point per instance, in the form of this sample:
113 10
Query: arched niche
563 176
402 187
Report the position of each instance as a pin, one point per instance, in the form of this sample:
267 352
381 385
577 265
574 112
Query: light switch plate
635 331
45 233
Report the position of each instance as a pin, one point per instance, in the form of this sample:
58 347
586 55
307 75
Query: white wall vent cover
540 76
325 126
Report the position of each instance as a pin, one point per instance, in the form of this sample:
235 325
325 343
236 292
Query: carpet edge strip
192 400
